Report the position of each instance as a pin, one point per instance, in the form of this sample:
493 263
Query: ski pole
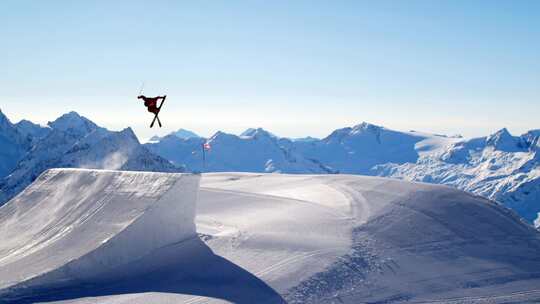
141 89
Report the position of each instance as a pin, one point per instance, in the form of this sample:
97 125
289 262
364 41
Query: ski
156 116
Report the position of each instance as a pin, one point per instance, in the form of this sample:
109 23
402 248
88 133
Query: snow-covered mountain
34 132
13 145
73 141
500 166
306 139
181 133
356 150
255 150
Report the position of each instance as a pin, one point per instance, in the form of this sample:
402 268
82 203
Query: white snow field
81 237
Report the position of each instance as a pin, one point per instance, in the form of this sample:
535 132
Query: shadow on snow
189 268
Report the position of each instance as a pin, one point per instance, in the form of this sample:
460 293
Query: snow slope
355 239
74 226
274 238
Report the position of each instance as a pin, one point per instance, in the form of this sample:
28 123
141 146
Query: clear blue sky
294 67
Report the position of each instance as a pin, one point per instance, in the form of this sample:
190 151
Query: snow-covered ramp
75 226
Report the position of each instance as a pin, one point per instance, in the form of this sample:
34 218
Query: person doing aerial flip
152 107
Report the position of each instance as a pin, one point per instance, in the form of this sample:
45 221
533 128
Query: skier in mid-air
152 107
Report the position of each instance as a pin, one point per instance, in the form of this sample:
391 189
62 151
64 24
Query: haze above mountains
500 166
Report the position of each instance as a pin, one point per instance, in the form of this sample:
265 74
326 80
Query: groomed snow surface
89 236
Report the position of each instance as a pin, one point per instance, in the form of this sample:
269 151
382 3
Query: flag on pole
205 147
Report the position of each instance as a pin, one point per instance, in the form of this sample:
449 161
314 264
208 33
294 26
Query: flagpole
203 157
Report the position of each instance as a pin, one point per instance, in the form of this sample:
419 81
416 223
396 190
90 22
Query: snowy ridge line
138 213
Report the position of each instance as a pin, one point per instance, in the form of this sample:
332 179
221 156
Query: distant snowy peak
13 145
185 134
337 135
124 139
128 134
250 134
257 132
366 127
531 140
358 130
502 140
181 133
31 130
72 122
255 136
7 129
4 121
220 135
369 134
154 139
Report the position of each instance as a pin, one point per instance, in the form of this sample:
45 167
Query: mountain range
500 166
71 141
